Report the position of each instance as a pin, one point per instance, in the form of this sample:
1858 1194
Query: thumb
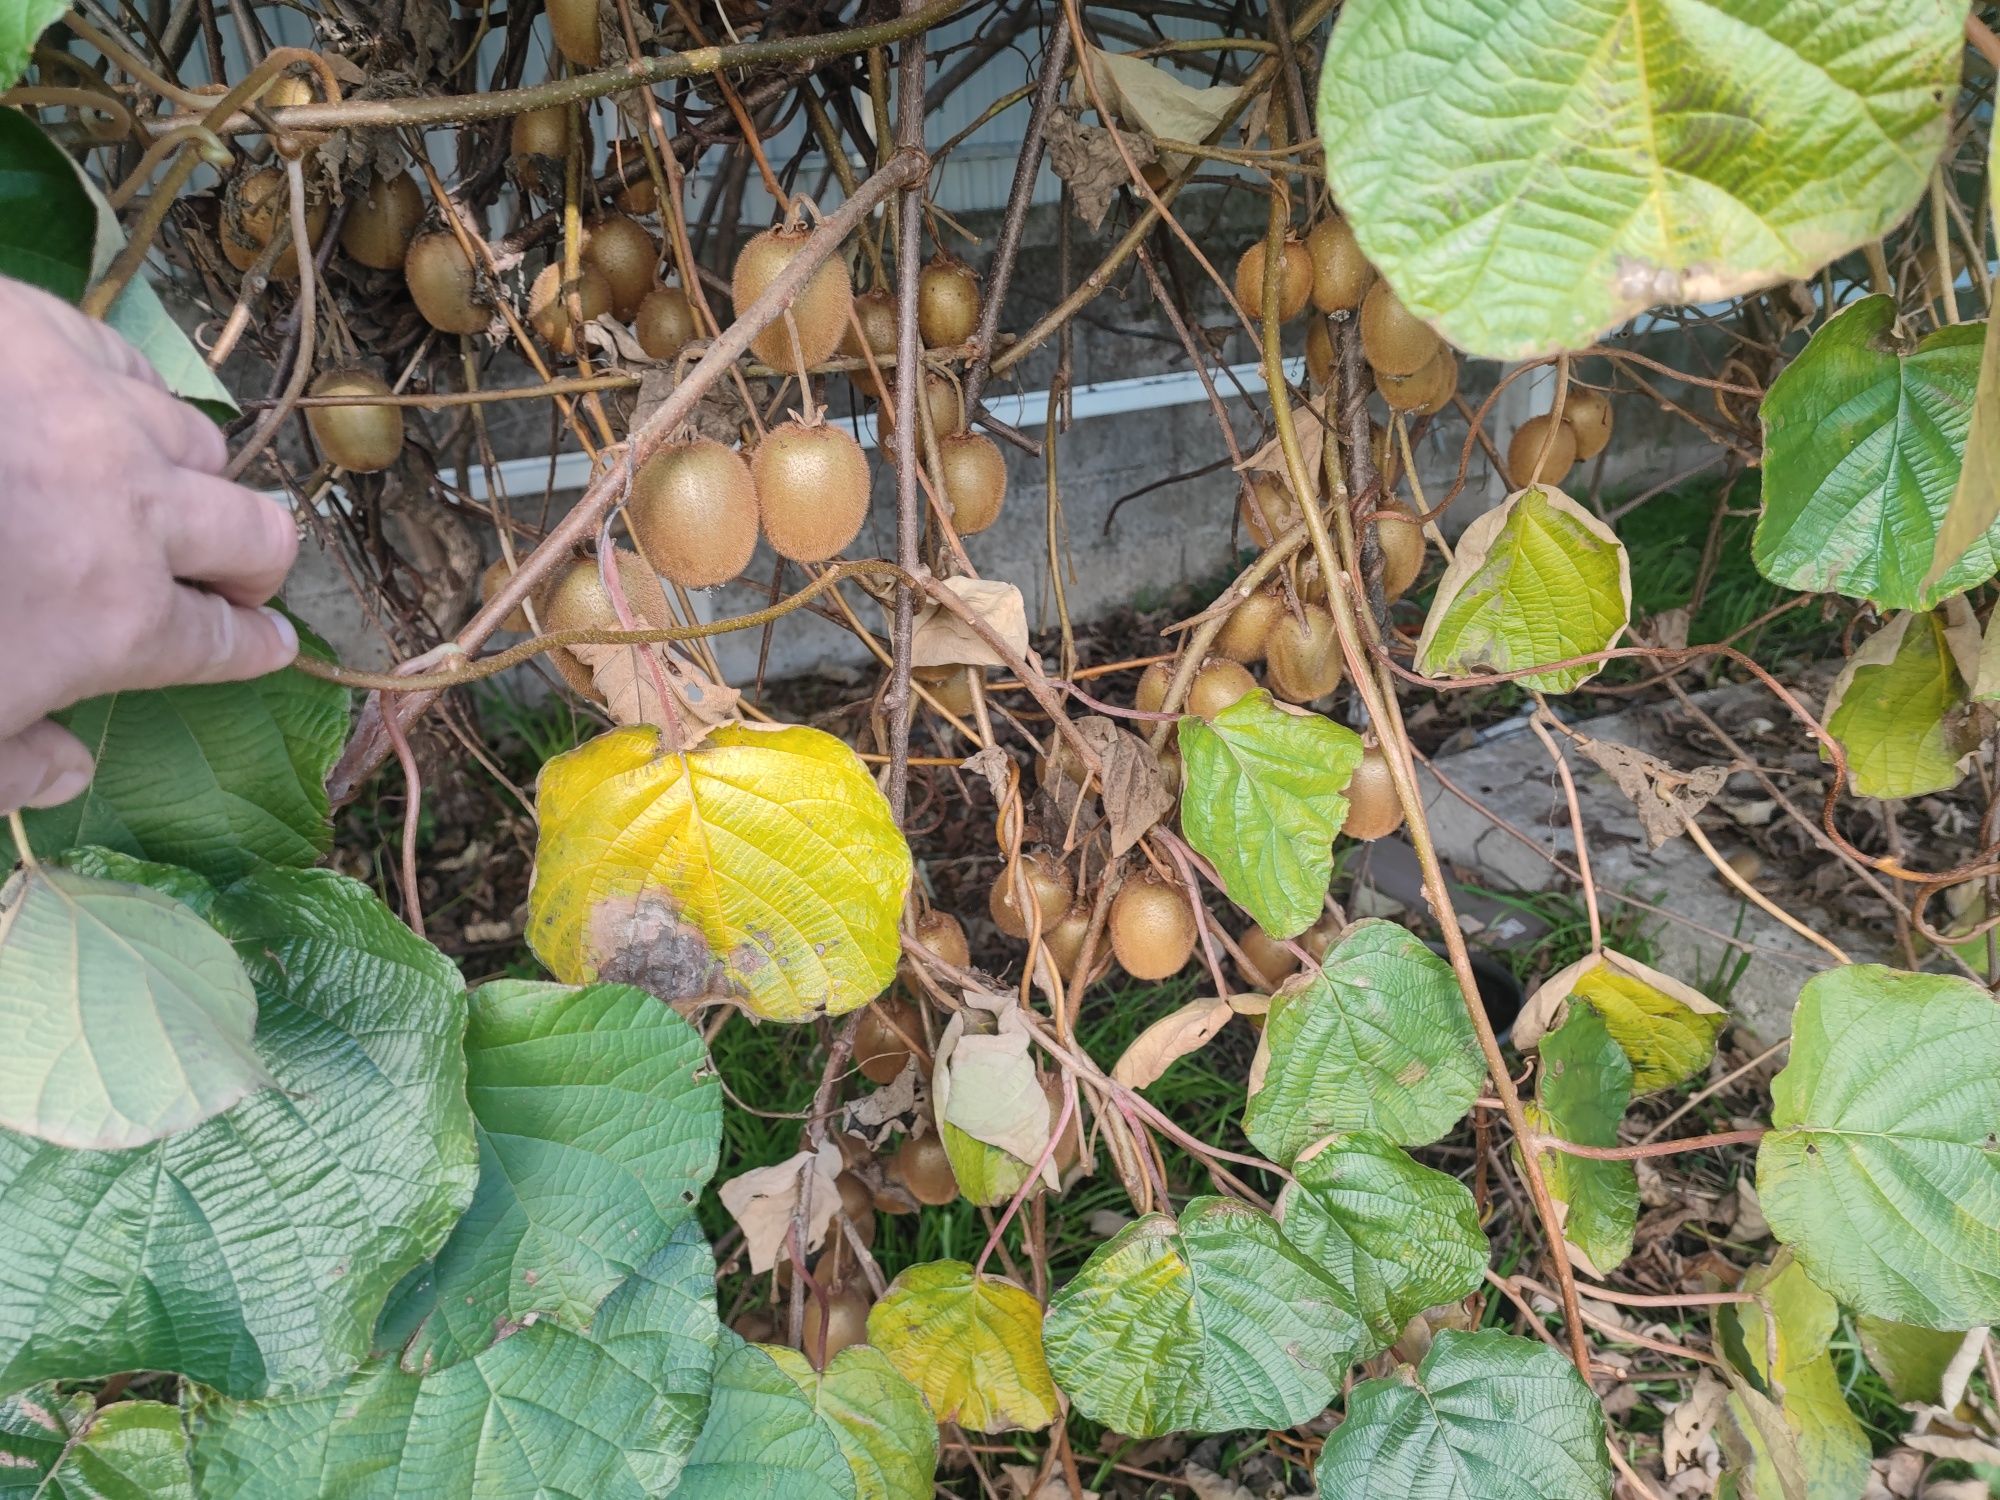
42 766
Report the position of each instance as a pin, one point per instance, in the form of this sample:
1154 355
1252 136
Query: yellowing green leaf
1832 1446
762 867
1911 1361
1882 1165
1900 709
1377 1039
1204 1324
1863 439
1528 176
885 1431
1975 503
1535 581
992 1114
971 1344
124 1017
763 1436
1581 1095
1666 1029
1262 802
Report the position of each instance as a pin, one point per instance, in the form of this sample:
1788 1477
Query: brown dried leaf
1085 157
1021 1484
1136 794
1687 1440
630 678
1663 797
1169 1039
942 639
763 1201
1311 420
1965 1450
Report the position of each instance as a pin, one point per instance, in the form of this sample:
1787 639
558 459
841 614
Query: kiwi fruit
1271 962
1319 352
1069 1145
1588 413
1248 626
1302 659
577 600
1152 928
288 92
1402 540
1394 340
922 1167
1526 463
755 1327
574 27
694 512
1295 281
876 312
1219 683
490 583
381 222
1372 808
443 285
1426 392
951 686
819 310
879 1049
636 193
838 1323
664 322
1065 940
1340 272
254 207
628 255
548 303
946 406
539 132
812 489
940 932
1150 696
947 302
358 438
1281 512
858 1204
975 480
1049 885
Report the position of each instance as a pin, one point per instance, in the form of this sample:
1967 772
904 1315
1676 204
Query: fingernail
286 632
67 782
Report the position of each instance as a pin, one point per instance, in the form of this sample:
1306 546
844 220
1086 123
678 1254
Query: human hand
126 561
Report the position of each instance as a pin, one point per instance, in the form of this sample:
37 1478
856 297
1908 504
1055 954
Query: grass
1626 929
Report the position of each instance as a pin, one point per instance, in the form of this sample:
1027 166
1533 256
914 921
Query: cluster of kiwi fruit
1544 449
1151 924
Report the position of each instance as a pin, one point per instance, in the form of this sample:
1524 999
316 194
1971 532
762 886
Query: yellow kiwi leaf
1665 1028
762 867
971 1343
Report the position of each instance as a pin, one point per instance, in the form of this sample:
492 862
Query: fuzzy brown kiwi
879 1049
1295 281
1281 512
628 255
1219 683
359 438
1526 463
574 28
694 511
951 686
664 322
1069 1145
947 409
812 489
1372 808
1319 351
255 204
1150 696
1302 660
1065 940
1588 413
820 309
1244 633
1425 393
975 480
1271 962
755 1327
490 583
947 302
940 932
858 1204
637 193
381 222
876 312
443 285
1152 928
922 1167
539 132
1402 542
1049 884
549 308
1341 274
1394 339
577 600
839 1323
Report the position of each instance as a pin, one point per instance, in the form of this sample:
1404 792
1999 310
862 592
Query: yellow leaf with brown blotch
971 1343
762 867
